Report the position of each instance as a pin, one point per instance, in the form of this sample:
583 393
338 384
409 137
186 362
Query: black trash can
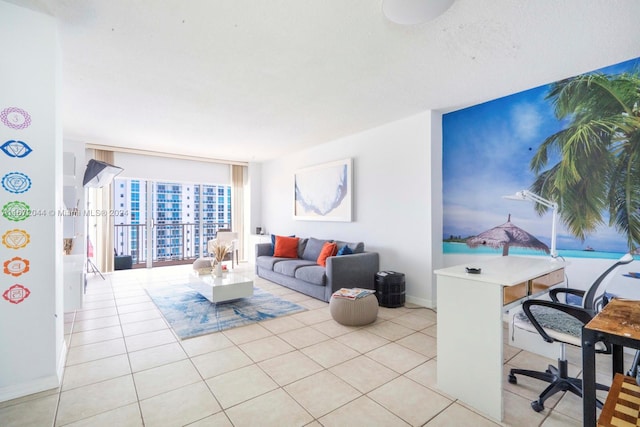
390 288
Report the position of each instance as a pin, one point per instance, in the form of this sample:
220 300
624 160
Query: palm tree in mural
599 149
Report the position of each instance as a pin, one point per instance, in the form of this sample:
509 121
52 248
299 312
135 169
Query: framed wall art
324 192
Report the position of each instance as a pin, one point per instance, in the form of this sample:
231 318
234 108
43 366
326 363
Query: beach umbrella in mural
506 235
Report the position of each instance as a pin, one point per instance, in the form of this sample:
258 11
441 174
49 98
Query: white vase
218 269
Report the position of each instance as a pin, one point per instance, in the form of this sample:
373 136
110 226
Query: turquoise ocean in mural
461 248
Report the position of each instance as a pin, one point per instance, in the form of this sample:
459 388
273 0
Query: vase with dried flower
219 251
67 245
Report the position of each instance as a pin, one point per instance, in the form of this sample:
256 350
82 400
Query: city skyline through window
172 215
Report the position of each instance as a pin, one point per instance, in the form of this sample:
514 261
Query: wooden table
617 324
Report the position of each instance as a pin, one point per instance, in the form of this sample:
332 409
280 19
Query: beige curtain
103 246
237 205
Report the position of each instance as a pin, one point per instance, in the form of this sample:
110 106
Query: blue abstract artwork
323 193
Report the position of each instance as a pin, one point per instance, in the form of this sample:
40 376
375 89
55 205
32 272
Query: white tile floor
125 367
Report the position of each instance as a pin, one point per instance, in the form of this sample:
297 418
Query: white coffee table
229 287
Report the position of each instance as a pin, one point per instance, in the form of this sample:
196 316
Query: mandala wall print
13 148
16 294
16 266
16 239
16 211
15 118
16 182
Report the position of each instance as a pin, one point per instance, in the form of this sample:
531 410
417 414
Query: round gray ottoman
354 312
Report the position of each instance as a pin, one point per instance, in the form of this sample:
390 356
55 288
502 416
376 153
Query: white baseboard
419 301
38 385
35 386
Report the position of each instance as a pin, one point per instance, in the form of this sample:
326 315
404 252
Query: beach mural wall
575 142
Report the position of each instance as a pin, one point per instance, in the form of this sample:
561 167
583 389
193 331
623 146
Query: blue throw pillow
345 250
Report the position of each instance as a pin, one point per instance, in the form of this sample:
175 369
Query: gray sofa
303 274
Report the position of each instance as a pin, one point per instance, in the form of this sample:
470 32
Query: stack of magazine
352 293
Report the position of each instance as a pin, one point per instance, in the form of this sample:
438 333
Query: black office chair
560 322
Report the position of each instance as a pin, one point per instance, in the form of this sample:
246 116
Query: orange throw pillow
286 247
328 249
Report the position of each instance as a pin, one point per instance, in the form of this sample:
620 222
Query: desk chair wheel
537 406
513 379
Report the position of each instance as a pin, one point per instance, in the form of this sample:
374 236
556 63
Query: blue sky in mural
486 153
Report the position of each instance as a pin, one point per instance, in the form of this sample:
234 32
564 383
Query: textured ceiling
250 80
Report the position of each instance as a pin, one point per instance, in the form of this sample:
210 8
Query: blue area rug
190 314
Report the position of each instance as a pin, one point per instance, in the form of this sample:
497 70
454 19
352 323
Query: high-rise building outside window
175 211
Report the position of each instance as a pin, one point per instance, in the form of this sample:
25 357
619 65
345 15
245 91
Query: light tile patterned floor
125 367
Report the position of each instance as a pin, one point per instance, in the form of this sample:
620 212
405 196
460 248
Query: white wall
76 225
169 169
254 198
31 331
435 198
392 188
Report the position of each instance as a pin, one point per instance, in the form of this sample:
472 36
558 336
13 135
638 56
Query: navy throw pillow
345 250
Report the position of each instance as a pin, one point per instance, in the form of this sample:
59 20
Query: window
180 221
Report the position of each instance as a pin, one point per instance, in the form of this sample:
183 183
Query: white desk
470 330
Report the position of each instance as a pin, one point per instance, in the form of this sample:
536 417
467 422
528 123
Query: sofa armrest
351 271
263 249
